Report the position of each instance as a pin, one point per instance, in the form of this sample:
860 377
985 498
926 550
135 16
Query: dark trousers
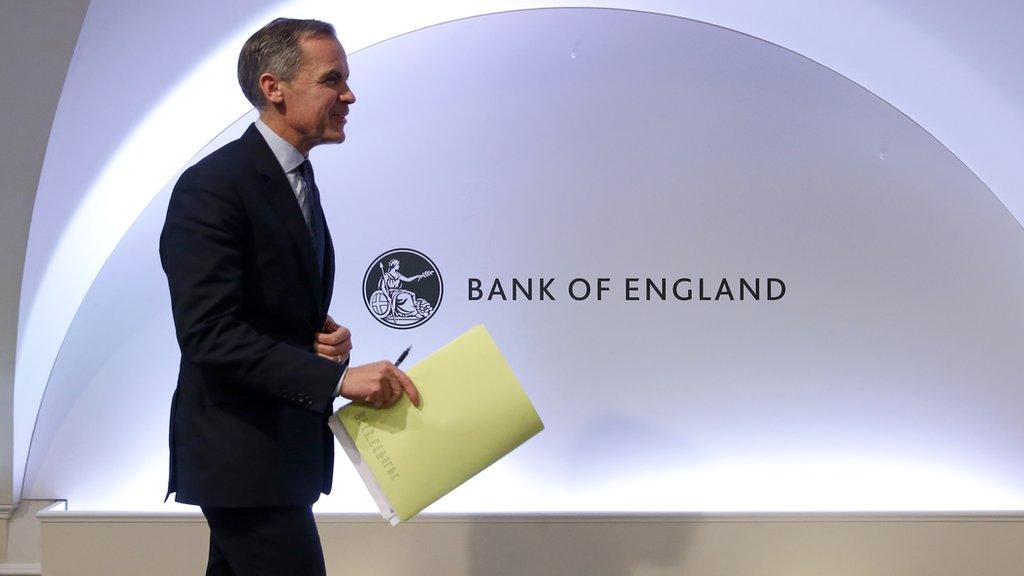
264 542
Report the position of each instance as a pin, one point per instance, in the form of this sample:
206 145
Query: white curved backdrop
151 83
606 143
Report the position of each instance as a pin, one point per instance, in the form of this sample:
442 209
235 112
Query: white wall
927 73
959 85
36 43
619 144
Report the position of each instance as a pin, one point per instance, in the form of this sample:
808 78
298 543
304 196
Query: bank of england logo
402 288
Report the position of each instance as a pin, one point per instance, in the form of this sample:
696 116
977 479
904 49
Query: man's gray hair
274 49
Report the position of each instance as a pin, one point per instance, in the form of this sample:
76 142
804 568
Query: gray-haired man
250 266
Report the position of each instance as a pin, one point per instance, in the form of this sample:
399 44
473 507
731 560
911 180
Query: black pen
402 356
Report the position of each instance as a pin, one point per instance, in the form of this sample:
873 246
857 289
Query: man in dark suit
250 266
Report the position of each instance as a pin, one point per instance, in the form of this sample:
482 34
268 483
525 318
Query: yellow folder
473 412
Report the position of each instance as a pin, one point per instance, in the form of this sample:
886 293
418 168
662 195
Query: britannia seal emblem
402 288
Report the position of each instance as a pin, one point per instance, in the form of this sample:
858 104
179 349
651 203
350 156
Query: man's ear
271 87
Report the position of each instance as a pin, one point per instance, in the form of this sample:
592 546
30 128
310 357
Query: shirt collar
287 156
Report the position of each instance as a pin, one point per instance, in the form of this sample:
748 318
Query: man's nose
348 97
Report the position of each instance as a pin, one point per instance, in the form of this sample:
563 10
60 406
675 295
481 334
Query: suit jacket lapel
328 276
281 199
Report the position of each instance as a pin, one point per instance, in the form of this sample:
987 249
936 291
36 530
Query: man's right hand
380 384
334 343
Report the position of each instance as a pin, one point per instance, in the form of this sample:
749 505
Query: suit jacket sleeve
201 253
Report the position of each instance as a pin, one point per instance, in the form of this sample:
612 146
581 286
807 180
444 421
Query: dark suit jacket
248 418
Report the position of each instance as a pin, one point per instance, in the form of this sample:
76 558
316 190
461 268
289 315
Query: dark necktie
316 213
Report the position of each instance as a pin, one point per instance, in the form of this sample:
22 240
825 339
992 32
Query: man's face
316 100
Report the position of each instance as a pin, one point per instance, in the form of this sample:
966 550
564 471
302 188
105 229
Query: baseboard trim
20 570
59 513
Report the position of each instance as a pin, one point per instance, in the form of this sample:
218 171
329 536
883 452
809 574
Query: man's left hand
334 343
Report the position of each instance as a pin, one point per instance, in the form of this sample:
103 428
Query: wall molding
21 570
58 512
